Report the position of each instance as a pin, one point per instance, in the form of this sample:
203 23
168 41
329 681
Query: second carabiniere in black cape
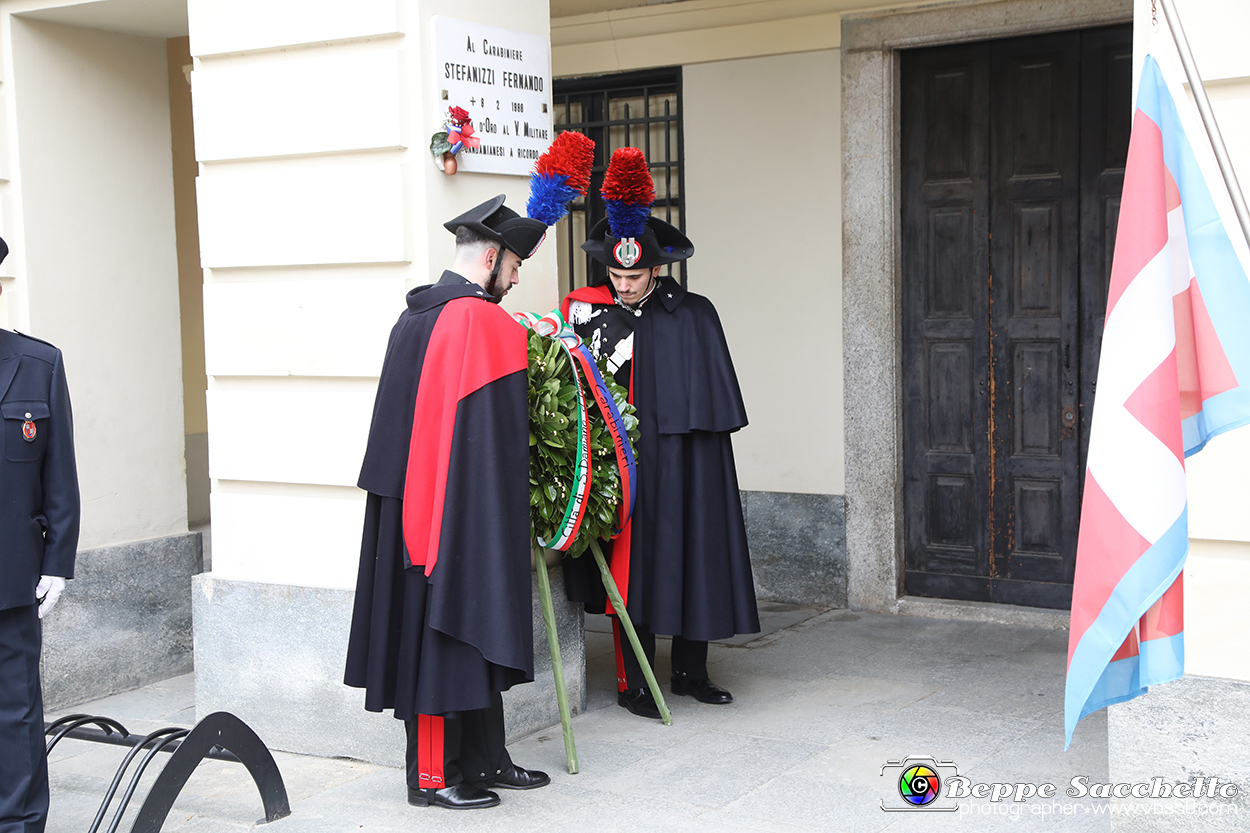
689 570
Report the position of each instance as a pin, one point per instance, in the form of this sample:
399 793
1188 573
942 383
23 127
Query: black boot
516 778
702 689
457 797
639 701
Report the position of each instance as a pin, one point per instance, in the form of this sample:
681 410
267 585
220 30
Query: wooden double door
1013 158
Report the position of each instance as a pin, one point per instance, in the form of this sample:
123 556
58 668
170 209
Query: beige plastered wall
89 211
778 292
1217 574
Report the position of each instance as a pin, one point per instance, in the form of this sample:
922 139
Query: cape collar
450 278
449 287
670 293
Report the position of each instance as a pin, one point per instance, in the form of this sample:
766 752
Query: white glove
47 591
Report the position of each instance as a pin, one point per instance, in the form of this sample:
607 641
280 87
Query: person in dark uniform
681 563
39 515
442 621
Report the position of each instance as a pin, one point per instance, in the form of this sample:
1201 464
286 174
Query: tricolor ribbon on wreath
553 326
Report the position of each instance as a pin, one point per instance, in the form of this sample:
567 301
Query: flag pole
1208 117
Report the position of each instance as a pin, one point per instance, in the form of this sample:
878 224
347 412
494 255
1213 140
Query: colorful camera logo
919 785
916 783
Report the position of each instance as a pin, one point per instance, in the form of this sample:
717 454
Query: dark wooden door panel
1034 257
951 406
1034 390
951 231
1013 155
1036 238
946 224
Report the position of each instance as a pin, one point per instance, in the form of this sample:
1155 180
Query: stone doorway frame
871 262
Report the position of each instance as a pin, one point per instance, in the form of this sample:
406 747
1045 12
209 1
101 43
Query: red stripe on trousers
621 685
430 752
623 543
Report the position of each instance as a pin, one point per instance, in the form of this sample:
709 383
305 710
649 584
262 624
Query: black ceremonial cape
688 572
442 612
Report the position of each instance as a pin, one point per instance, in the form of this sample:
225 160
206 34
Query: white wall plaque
503 78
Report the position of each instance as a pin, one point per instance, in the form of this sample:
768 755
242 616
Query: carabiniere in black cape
690 571
446 643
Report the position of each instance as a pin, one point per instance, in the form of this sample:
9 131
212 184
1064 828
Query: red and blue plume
561 175
628 193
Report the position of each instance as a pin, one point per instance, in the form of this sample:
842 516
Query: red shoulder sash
473 343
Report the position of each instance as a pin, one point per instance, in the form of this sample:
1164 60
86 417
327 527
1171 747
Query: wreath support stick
557 662
618 604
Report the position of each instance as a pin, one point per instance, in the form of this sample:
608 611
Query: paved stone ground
821 705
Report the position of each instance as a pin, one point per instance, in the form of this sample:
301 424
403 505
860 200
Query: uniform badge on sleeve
28 430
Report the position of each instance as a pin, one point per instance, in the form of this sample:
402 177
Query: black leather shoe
458 797
703 690
639 701
516 778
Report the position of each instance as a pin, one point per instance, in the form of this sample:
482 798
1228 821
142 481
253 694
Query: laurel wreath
553 446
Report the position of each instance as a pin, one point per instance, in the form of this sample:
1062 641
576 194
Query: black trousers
445 750
23 764
689 657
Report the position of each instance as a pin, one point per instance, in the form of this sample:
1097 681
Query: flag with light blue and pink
1174 372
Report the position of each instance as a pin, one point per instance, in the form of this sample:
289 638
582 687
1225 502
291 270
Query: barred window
634 109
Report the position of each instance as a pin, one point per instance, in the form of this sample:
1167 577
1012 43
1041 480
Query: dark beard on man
492 285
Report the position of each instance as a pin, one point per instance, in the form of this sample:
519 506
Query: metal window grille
635 109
